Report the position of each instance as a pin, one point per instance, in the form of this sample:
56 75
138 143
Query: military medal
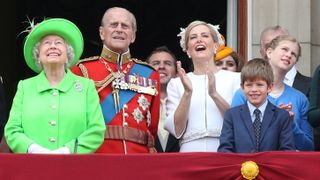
139 84
137 115
115 92
143 102
117 79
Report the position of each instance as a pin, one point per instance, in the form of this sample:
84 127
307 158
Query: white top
204 119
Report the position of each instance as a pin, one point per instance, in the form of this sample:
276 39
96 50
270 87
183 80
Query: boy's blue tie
257 127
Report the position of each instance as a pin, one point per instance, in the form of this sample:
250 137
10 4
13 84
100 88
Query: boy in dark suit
256 125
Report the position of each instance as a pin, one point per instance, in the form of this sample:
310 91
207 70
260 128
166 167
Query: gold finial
249 170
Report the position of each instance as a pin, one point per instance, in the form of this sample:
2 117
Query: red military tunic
135 104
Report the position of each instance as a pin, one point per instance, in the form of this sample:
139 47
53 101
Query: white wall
299 17
315 34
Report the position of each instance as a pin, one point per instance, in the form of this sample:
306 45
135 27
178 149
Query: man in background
164 61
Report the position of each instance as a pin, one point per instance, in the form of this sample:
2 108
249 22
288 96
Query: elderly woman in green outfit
55 112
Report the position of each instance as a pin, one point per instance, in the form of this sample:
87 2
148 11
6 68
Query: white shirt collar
289 78
262 108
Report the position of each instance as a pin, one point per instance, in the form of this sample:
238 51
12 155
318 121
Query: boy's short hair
257 69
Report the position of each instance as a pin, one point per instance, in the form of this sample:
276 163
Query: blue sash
107 104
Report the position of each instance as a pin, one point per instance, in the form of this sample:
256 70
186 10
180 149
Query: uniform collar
64 85
114 57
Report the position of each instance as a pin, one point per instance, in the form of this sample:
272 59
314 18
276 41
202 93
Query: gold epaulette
93 58
141 62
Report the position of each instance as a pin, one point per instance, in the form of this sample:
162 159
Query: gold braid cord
83 70
100 84
116 99
104 83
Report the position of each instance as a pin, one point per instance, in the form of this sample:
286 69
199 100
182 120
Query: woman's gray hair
35 52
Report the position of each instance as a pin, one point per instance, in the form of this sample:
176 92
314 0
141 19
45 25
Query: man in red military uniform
128 88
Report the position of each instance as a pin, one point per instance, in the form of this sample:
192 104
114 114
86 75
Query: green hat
57 26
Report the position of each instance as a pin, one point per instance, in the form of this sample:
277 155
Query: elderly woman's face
52 50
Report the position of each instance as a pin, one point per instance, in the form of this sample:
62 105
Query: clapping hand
211 83
184 78
287 107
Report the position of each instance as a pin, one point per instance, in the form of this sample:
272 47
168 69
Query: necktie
257 127
162 133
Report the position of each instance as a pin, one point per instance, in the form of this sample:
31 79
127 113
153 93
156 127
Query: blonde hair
184 34
276 41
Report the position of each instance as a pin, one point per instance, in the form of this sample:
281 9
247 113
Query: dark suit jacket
314 108
172 145
238 134
302 83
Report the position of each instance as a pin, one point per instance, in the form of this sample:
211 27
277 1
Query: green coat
55 117
314 108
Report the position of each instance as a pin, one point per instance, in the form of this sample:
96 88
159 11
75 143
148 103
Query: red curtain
184 166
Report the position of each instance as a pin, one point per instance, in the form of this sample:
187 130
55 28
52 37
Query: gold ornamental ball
249 170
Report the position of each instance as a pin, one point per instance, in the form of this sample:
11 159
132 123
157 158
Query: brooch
78 86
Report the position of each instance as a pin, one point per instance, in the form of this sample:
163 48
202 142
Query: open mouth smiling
200 48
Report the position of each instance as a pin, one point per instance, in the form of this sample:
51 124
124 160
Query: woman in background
227 59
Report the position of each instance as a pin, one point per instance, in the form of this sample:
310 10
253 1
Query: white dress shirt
289 78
